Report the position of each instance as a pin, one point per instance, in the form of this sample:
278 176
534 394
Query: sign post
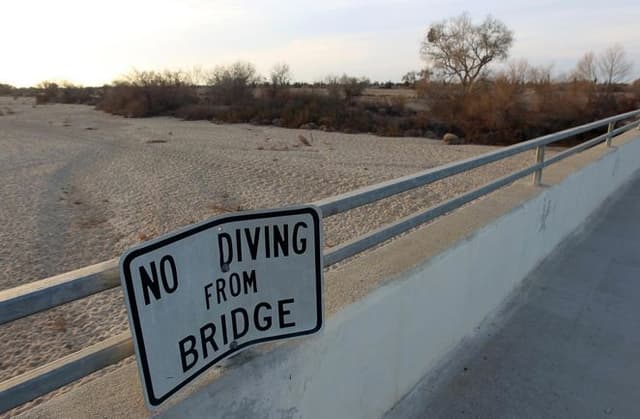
199 295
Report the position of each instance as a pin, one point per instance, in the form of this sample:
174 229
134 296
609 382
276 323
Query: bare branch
614 65
586 69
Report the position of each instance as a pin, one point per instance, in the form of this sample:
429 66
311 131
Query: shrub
345 86
48 92
503 111
66 92
196 112
635 90
6 89
149 93
518 104
280 78
233 84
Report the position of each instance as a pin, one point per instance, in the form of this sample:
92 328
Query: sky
92 42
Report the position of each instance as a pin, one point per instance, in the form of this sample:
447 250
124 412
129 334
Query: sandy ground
80 186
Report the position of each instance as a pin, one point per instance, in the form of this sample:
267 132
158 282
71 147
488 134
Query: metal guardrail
41 295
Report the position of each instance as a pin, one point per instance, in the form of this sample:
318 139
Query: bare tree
587 68
459 50
540 75
410 78
280 75
345 86
614 65
332 84
353 86
518 71
233 84
198 76
413 77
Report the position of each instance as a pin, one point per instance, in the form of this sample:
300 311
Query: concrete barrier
395 312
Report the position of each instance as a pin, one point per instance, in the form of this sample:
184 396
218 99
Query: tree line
457 50
460 90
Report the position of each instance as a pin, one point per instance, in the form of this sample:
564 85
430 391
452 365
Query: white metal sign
201 294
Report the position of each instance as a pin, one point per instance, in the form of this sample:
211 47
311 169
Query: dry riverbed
79 186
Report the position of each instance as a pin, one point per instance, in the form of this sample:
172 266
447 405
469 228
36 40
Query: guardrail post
609 130
537 175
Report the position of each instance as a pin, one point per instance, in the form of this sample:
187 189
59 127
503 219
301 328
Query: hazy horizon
93 44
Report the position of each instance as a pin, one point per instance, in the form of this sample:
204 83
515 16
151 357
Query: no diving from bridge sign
201 294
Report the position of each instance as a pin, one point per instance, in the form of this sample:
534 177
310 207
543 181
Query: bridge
516 289
566 345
